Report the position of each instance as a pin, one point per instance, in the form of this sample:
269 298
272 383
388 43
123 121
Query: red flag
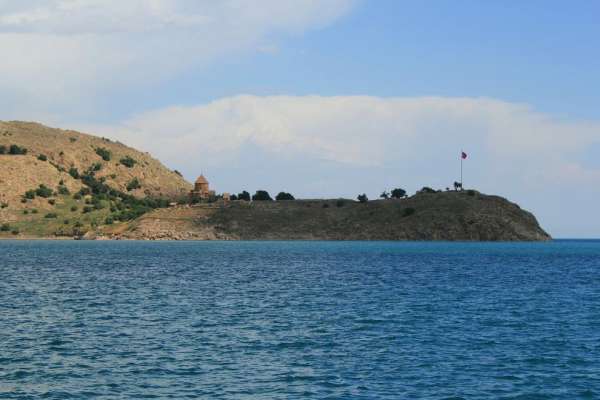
463 155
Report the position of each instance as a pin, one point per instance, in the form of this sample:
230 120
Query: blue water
285 320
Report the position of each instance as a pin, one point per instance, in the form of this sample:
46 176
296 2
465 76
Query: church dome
201 179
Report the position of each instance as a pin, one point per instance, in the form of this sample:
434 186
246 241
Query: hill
468 216
65 163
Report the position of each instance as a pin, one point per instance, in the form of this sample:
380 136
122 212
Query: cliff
453 216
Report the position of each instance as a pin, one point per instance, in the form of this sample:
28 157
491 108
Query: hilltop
465 215
59 164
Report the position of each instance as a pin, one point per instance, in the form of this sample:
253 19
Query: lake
291 320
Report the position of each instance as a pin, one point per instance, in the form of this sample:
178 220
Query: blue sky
328 97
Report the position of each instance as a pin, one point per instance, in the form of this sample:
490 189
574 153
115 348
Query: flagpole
461 168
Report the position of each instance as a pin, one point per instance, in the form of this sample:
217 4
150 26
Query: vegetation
398 193
362 198
42 157
51 215
4 227
2 149
128 162
244 196
284 196
133 184
384 195
43 191
261 195
408 211
74 173
17 150
340 203
104 153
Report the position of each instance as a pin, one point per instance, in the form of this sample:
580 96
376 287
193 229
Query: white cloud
377 142
63 55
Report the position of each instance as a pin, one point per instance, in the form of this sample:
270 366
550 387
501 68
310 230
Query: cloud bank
64 56
309 143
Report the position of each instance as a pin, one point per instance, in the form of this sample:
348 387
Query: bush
261 195
284 196
427 189
109 220
15 232
244 196
42 157
133 184
16 150
30 194
398 193
3 205
77 196
51 215
95 167
74 173
25 212
43 191
104 153
87 209
4 227
51 202
384 195
362 198
128 162
66 222
2 149
34 211
63 190
408 211
73 208
471 192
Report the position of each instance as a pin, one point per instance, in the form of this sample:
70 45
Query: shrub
109 220
16 150
74 173
5 227
3 205
77 196
133 184
471 192
30 194
384 195
25 212
51 202
408 211
51 215
73 208
63 190
96 167
15 231
427 189
66 222
128 162
244 196
398 193
42 157
2 149
362 198
284 196
34 211
43 191
261 195
87 209
104 153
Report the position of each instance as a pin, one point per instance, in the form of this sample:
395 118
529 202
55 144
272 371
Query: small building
201 190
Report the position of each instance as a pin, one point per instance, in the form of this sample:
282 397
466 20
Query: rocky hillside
35 157
468 215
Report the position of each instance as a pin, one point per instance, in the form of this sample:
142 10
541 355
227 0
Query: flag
463 155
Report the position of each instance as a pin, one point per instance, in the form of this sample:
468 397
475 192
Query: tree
104 153
16 150
385 195
244 196
398 193
233 197
261 195
362 198
284 196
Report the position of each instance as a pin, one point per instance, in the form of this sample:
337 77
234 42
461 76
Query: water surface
262 320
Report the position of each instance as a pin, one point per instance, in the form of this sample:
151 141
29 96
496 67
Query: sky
327 98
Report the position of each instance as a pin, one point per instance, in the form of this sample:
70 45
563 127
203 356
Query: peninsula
65 184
